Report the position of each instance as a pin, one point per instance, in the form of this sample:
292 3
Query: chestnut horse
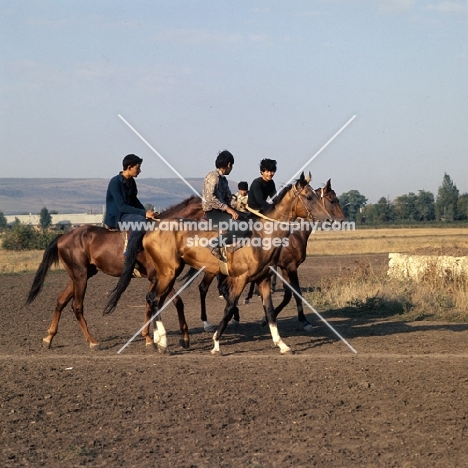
88 249
290 258
169 251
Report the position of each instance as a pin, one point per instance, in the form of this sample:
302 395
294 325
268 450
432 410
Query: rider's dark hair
223 159
268 165
131 160
243 186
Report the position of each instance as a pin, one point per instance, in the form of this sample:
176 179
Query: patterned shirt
216 192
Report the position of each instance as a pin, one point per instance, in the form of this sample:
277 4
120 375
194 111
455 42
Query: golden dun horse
170 250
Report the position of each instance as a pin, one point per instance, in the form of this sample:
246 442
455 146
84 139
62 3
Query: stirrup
217 252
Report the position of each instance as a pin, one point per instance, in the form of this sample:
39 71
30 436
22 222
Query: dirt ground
399 402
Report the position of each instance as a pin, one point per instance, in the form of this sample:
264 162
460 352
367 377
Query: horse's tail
50 257
189 275
135 246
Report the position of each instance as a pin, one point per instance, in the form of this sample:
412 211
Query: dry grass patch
20 262
369 241
374 295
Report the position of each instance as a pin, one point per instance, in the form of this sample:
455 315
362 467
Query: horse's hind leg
250 293
203 289
179 305
77 306
236 286
300 308
155 300
62 301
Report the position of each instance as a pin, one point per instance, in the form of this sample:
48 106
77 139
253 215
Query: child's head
243 188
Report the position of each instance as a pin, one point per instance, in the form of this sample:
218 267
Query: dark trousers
229 237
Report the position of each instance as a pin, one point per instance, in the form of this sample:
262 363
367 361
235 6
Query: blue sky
262 79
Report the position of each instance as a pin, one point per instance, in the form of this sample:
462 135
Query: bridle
298 199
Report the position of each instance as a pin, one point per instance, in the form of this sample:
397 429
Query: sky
263 79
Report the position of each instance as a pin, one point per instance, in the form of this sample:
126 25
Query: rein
296 194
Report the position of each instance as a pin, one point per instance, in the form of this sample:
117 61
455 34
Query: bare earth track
400 402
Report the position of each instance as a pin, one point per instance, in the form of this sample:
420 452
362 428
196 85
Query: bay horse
290 258
88 249
169 250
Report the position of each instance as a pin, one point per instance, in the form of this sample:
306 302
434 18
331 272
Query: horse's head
307 202
330 202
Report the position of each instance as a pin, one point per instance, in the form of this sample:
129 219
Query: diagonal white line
312 309
160 157
158 312
318 152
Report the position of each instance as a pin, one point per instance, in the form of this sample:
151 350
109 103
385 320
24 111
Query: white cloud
197 37
395 6
450 7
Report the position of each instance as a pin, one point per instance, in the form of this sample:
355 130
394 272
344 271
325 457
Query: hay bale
416 267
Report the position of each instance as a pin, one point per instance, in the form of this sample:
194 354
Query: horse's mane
269 209
167 213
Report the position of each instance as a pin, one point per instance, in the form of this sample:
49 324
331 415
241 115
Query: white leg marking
208 327
156 337
215 349
277 339
162 335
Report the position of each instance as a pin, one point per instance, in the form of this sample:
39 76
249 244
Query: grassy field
376 296
362 291
360 241
369 241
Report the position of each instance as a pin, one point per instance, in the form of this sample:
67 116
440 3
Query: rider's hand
232 212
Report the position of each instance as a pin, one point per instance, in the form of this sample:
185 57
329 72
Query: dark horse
88 249
169 251
290 258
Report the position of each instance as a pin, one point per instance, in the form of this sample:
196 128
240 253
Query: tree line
448 206
24 236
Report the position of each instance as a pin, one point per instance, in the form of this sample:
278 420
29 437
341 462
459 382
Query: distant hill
24 196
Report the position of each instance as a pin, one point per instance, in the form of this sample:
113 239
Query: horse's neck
283 212
192 210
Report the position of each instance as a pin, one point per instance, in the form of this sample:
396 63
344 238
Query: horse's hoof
309 328
184 343
264 322
209 328
246 301
94 346
46 343
235 322
163 350
150 345
215 352
287 352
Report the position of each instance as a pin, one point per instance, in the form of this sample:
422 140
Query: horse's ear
308 178
328 186
302 180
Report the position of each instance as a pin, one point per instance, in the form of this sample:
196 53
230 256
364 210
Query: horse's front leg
264 287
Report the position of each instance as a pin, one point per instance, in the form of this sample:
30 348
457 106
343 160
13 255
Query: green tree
425 206
447 198
45 218
352 204
25 237
384 211
405 207
3 222
462 206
